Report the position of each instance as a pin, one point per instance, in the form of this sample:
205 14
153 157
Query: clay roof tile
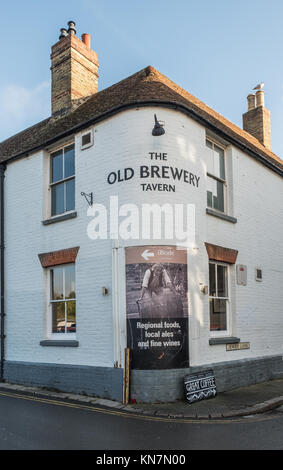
143 88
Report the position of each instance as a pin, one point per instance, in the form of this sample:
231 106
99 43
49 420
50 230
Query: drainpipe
2 284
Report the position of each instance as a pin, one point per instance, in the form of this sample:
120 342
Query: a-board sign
200 386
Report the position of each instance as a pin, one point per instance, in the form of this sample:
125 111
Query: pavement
241 402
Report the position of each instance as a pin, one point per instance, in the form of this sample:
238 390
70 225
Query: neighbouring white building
71 302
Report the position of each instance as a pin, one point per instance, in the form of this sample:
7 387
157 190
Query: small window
63 180
63 299
218 297
216 179
258 274
87 140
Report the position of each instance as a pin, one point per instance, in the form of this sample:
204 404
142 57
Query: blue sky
217 50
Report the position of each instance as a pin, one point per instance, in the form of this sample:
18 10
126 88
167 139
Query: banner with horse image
157 307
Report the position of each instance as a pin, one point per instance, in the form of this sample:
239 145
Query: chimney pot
86 38
259 98
64 33
251 101
71 29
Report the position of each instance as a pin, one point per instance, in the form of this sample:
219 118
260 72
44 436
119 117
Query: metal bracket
88 198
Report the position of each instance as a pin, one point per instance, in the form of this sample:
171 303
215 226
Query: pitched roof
146 87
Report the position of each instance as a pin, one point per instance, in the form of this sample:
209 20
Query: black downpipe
2 279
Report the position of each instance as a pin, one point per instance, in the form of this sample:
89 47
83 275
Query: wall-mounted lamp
105 291
158 128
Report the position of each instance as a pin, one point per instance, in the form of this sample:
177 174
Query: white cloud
22 107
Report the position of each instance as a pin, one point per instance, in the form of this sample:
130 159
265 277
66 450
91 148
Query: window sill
60 218
225 217
227 340
60 343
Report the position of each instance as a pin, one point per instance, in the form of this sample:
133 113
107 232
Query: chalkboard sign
200 386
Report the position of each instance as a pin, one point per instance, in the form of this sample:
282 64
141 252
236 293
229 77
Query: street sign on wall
237 346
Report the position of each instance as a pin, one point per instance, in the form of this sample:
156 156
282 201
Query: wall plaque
200 386
238 346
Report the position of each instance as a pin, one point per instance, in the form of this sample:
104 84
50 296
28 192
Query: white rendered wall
121 142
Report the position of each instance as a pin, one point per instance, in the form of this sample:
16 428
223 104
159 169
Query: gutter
162 104
2 279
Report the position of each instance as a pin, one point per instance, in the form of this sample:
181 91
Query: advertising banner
157 307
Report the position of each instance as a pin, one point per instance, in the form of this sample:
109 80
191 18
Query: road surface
34 423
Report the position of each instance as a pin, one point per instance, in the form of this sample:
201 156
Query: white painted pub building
82 275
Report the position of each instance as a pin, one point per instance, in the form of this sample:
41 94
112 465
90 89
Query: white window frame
226 332
64 180
50 334
216 178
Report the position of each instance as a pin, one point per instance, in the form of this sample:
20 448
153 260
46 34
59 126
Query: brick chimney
256 120
74 70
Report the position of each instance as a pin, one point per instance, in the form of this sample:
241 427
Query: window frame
62 180
50 334
217 178
90 143
227 332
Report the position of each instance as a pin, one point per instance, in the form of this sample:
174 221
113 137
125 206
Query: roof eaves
246 147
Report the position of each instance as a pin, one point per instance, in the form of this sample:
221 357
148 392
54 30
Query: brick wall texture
74 69
257 123
55 258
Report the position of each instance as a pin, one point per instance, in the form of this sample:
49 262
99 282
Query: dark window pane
58 317
222 167
210 165
218 201
219 169
86 139
209 199
222 281
69 161
57 289
259 274
57 199
212 283
218 314
71 316
211 190
70 195
70 288
57 166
